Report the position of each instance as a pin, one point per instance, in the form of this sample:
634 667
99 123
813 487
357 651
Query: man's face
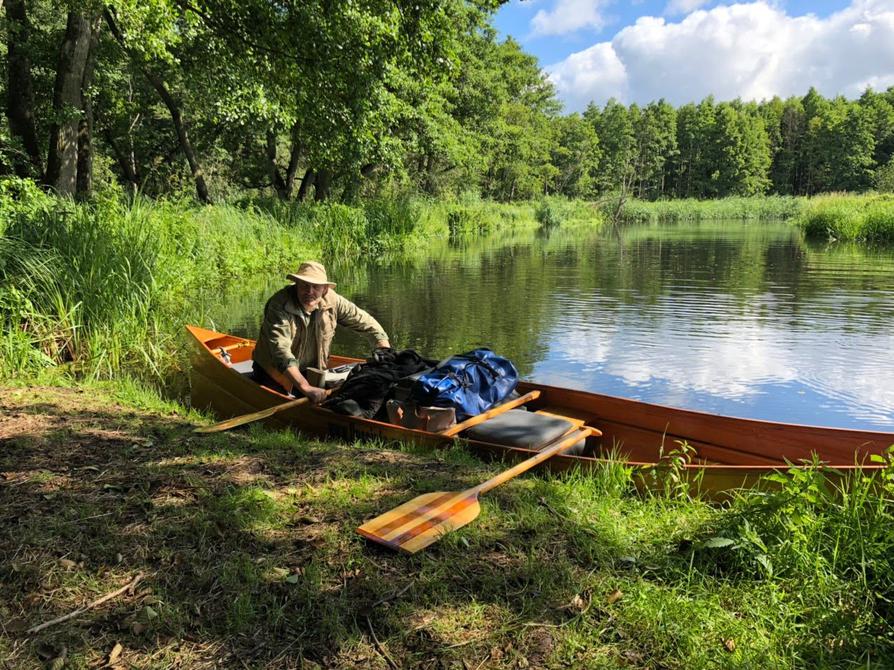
309 294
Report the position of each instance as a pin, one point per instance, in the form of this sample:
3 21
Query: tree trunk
62 160
279 184
173 108
20 89
322 184
125 162
294 157
182 135
306 182
84 185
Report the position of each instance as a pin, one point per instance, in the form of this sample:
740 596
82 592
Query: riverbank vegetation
763 208
868 218
104 287
249 558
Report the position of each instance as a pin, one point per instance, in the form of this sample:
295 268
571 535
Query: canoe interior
726 452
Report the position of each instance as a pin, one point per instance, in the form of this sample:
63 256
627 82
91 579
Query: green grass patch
248 548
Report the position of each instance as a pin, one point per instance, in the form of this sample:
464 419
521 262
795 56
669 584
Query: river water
746 320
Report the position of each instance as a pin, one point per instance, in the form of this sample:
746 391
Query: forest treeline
331 100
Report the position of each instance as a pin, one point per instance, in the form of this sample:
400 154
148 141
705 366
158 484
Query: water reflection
739 319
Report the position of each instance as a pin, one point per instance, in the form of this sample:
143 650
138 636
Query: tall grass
868 217
735 208
825 544
105 286
553 211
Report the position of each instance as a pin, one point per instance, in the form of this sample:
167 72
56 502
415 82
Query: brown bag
410 415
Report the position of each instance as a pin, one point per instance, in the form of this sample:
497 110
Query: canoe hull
726 453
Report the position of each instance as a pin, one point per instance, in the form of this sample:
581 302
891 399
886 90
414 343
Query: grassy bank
248 556
868 218
105 287
736 208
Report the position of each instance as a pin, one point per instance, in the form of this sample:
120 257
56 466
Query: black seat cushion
518 428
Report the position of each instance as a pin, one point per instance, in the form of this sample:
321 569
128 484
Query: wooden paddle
423 520
254 416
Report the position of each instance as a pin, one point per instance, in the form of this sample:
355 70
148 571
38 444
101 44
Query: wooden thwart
424 519
491 413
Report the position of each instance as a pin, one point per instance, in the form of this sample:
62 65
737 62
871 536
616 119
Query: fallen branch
379 647
95 603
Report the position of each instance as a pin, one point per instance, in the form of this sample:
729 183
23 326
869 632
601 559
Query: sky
685 50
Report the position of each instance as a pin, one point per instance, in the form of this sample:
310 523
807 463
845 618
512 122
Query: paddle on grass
423 520
254 416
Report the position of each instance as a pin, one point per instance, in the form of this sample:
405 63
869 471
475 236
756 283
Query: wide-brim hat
311 272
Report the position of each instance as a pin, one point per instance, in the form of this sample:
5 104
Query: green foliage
547 215
575 156
827 540
884 178
850 217
102 286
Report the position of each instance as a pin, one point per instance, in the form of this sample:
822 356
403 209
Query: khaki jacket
285 340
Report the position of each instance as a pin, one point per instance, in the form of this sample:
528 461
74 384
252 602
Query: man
298 327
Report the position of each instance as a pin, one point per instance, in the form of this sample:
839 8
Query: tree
615 130
743 153
518 138
694 167
787 169
68 112
839 146
575 155
879 108
656 138
20 108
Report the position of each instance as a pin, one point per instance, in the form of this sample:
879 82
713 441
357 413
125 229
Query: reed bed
867 218
735 208
104 286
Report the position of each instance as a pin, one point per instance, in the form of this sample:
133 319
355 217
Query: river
742 319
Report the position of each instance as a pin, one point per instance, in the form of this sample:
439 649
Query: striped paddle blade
423 520
416 524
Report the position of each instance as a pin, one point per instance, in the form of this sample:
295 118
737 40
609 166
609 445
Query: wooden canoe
727 452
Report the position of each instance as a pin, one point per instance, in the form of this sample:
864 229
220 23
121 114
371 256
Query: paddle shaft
537 459
489 414
254 416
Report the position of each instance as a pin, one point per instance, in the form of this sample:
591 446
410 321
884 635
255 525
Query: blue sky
683 50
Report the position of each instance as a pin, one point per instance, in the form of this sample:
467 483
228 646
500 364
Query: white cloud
568 16
752 51
683 6
594 74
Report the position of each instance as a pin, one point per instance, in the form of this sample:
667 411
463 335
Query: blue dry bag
471 383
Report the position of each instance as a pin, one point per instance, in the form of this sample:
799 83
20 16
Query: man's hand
314 394
382 355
